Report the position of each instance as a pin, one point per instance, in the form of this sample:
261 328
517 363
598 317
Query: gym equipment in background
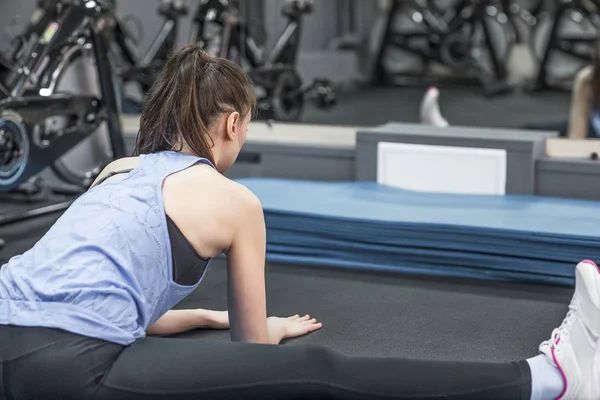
221 29
19 45
38 125
349 35
70 67
131 67
521 64
450 37
144 70
127 65
567 28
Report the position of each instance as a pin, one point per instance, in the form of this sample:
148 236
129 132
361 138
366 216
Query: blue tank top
104 269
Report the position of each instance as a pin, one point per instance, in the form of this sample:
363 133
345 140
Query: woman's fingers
304 324
313 326
296 325
298 317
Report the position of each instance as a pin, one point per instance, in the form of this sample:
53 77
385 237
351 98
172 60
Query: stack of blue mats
363 225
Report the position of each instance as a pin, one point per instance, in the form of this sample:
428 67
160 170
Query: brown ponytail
193 90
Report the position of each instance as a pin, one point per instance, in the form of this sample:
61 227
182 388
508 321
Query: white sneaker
574 346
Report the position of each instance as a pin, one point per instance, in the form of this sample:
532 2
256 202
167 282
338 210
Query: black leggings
42 363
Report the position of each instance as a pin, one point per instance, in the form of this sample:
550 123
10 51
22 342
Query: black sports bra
188 266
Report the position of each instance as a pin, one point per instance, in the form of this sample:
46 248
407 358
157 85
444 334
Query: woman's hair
192 91
595 81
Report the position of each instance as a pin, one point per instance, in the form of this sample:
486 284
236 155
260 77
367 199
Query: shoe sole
589 272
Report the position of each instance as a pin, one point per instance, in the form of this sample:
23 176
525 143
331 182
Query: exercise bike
448 36
144 70
30 137
44 12
221 30
127 65
552 36
65 69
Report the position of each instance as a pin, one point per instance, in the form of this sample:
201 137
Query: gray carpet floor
464 106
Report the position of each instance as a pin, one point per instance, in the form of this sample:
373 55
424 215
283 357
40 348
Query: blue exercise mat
370 226
372 202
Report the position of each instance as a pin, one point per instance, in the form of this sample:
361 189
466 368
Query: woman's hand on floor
291 327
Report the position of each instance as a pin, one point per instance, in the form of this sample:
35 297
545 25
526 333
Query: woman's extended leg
41 364
50 364
184 369
187 369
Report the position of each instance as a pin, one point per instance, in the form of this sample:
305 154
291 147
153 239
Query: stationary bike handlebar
304 5
296 8
175 5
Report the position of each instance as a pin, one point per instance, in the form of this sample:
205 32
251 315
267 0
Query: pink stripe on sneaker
562 373
590 262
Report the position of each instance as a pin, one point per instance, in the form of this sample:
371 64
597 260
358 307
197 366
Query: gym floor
466 106
375 314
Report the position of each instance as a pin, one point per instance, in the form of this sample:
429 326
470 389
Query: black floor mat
387 315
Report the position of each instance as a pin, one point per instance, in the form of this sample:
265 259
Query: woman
75 310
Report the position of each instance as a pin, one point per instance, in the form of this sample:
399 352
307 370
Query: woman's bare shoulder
233 191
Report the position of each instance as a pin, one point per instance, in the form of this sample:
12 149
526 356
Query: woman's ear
232 125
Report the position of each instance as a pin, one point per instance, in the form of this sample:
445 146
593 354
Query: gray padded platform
294 162
523 148
572 178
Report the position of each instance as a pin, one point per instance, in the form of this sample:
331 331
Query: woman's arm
246 275
178 321
580 104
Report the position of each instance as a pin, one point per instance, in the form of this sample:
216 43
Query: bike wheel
84 162
287 98
14 150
